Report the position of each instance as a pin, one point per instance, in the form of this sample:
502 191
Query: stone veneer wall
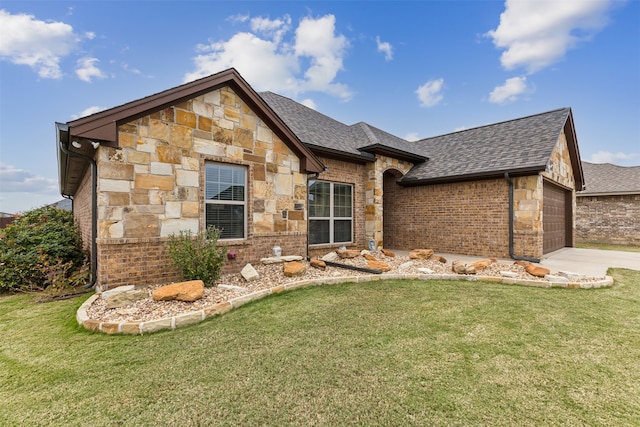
346 173
467 218
151 186
608 219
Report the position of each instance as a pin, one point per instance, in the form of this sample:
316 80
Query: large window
225 199
330 212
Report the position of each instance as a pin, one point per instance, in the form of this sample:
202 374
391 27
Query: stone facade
608 219
151 186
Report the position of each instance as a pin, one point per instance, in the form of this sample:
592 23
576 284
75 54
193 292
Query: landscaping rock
438 258
378 265
189 291
249 273
119 289
556 279
420 253
294 269
536 270
481 264
571 276
331 257
425 270
318 263
460 267
369 257
279 259
348 253
231 287
508 274
122 299
388 253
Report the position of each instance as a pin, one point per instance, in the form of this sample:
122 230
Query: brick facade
608 219
82 210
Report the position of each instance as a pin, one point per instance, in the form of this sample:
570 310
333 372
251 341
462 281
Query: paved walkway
590 262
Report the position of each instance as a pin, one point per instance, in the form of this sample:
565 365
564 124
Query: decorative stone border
189 318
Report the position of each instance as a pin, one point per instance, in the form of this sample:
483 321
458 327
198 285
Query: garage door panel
554 217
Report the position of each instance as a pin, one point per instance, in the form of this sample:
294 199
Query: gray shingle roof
606 178
523 144
320 131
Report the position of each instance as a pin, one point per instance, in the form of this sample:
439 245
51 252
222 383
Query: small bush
197 257
36 242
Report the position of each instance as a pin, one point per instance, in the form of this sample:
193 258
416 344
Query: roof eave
385 150
572 145
607 193
472 176
341 155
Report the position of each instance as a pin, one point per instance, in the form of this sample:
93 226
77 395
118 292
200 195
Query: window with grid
226 199
330 212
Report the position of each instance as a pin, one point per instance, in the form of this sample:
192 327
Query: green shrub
37 242
197 257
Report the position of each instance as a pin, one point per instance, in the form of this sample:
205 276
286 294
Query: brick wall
82 210
467 218
608 219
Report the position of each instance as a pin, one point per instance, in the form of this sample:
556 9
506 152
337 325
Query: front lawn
379 353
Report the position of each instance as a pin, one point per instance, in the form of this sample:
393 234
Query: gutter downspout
94 210
511 215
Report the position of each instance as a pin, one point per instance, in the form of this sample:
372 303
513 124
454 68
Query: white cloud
619 158
19 180
412 136
430 94
87 112
25 40
510 90
275 29
386 48
309 103
86 69
282 62
535 34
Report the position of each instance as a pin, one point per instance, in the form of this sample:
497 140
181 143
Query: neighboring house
6 219
272 172
64 204
608 210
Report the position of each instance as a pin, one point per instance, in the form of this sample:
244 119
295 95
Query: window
225 199
330 212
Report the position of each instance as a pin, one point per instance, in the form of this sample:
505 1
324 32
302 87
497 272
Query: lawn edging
192 317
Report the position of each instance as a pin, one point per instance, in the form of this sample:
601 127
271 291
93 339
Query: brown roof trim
471 177
587 193
103 126
394 152
572 145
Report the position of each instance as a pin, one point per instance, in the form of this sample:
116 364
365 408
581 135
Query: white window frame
228 202
332 218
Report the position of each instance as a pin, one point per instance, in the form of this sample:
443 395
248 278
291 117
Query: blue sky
415 69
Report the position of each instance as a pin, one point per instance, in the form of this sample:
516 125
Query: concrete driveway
591 262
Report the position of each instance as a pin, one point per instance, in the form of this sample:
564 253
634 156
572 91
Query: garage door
556 215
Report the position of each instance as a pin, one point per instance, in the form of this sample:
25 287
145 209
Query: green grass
385 353
608 246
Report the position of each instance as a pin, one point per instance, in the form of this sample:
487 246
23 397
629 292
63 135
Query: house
608 209
272 172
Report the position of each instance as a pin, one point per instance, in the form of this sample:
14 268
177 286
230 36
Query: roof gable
103 126
519 146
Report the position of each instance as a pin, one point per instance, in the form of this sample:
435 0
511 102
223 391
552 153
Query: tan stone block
263 226
272 167
131 328
141 225
227 98
150 182
205 123
280 147
130 127
232 113
279 225
296 215
146 144
243 138
118 199
277 289
181 136
202 108
377 192
169 154
284 184
126 140
115 185
138 157
300 192
92 325
217 309
248 122
186 118
528 205
224 136
265 134
158 130
117 171
258 172
204 146
139 197
186 178
156 197
110 327
190 209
